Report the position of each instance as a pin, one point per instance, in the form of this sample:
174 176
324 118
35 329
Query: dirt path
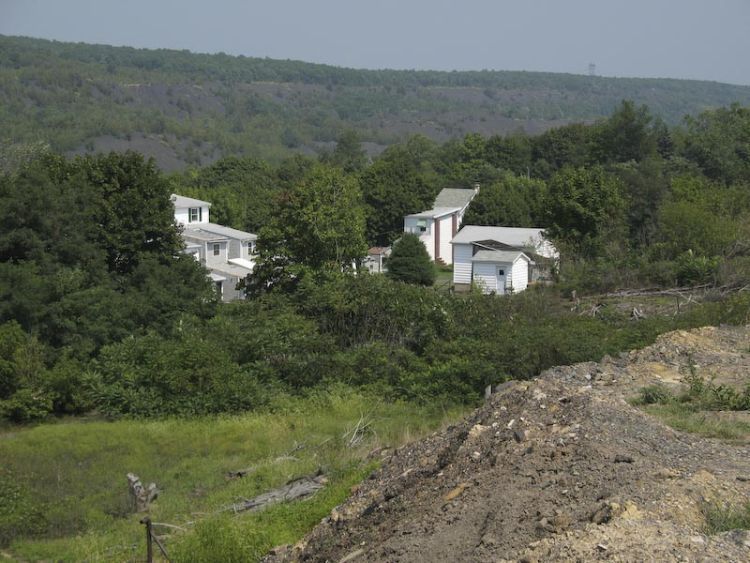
558 468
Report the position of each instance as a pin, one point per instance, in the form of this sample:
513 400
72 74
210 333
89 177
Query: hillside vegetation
190 109
102 316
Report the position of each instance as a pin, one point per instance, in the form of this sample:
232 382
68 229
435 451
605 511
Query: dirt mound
558 468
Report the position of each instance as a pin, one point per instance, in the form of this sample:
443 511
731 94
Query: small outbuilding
500 271
478 249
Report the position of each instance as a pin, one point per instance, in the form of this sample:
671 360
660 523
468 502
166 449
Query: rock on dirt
555 469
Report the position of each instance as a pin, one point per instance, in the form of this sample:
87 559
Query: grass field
64 497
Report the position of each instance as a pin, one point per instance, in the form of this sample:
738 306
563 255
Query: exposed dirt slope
558 468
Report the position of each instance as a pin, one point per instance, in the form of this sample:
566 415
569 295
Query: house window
217 249
501 272
219 288
251 247
422 225
195 214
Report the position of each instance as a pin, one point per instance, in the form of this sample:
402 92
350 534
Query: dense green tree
463 163
645 185
559 147
393 187
626 135
320 226
409 262
131 206
584 209
719 142
515 201
512 152
348 154
241 191
89 252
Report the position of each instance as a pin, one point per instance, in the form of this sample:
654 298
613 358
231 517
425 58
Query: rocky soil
558 468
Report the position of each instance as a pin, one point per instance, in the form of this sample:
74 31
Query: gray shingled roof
504 256
437 212
228 232
182 201
452 197
513 236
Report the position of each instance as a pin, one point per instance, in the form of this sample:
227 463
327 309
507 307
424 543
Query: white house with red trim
437 226
228 254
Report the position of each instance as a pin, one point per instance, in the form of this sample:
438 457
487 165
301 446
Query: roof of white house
504 256
182 201
226 232
230 270
379 250
513 236
243 262
454 197
193 233
435 213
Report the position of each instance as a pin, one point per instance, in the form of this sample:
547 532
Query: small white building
436 227
483 255
500 271
376 259
227 253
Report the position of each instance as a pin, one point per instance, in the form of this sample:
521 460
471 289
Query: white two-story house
227 253
437 226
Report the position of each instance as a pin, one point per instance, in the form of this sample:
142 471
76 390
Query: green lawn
443 280
63 491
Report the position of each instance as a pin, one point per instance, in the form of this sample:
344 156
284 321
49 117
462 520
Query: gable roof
435 213
182 201
512 236
221 230
194 233
454 197
504 256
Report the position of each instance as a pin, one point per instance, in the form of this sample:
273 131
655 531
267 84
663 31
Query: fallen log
296 489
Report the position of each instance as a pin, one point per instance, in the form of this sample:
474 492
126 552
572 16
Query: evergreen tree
409 262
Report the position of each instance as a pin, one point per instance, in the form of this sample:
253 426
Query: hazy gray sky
700 39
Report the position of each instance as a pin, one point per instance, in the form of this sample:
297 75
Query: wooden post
149 547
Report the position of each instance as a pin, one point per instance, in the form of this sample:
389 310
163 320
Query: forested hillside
191 109
103 317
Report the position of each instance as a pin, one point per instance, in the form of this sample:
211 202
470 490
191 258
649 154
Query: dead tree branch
141 496
300 488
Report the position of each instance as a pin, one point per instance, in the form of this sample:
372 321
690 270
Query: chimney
476 187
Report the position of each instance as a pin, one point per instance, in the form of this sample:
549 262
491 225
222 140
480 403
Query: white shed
472 240
500 271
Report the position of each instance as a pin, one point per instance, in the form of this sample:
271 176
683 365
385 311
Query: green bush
725 518
19 514
26 405
654 395
409 262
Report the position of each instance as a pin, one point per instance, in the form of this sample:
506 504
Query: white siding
485 276
411 225
462 263
516 276
235 248
181 215
446 234
212 258
519 275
